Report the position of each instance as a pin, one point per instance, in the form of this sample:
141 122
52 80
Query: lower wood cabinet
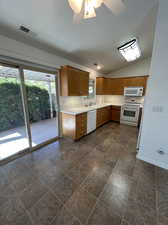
115 113
103 116
74 126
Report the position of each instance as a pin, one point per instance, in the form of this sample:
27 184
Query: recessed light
130 50
98 67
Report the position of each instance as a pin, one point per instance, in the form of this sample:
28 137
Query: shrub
11 110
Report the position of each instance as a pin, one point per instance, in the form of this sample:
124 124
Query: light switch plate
157 108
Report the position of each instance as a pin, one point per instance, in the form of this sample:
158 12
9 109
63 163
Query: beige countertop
79 110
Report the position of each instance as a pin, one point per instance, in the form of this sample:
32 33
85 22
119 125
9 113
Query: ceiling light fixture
98 67
130 50
86 8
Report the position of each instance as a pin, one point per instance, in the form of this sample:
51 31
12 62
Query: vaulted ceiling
92 40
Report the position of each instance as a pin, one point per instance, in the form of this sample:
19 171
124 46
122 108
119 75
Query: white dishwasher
91 121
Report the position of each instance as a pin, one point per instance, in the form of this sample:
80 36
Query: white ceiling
93 40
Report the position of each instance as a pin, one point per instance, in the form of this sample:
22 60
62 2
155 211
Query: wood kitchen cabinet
73 82
115 86
135 81
103 86
74 126
103 115
100 85
115 113
108 86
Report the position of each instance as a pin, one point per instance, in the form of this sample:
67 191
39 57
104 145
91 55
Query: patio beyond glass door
13 133
42 106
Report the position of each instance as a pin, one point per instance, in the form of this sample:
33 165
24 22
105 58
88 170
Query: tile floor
96 181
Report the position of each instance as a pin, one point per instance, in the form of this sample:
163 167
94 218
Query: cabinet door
108 86
99 118
84 83
73 82
103 115
135 82
115 113
100 86
117 86
107 114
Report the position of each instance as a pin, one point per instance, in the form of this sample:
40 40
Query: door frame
21 69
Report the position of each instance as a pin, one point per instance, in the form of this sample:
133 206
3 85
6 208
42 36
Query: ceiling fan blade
79 16
89 10
90 14
76 5
97 3
116 6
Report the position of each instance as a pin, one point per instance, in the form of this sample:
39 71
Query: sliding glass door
28 109
42 105
13 135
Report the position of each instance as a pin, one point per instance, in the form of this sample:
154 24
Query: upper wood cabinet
115 86
100 86
103 86
73 82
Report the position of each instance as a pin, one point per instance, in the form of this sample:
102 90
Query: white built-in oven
130 114
133 91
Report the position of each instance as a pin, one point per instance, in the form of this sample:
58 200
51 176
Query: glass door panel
42 106
13 134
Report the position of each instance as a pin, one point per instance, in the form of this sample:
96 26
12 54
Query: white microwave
133 91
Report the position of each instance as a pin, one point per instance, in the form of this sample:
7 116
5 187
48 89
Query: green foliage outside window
11 110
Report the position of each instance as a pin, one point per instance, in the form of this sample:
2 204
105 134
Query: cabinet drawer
81 125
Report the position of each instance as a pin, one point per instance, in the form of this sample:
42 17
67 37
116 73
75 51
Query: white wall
18 50
154 136
15 49
137 68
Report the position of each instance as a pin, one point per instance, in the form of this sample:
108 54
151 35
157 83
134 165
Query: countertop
79 110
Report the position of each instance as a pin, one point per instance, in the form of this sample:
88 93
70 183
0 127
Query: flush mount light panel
130 51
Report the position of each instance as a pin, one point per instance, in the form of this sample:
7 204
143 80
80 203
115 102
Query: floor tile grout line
24 189
97 202
92 211
27 212
80 187
48 191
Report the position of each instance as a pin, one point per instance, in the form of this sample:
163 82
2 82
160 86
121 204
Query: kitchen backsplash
66 102
78 101
119 99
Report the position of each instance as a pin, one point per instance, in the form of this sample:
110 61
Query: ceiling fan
85 9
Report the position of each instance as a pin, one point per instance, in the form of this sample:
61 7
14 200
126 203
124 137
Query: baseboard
152 161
